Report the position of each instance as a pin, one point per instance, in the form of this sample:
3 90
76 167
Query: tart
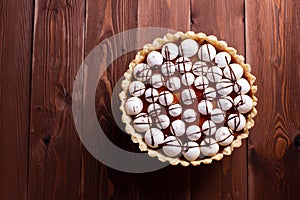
188 98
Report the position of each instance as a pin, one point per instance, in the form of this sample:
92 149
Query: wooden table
42 46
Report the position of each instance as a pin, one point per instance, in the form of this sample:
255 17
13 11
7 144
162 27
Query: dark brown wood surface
274 153
99 181
55 150
16 20
42 46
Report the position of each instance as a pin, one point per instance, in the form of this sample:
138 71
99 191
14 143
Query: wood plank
226 179
165 13
273 50
15 63
103 20
172 182
55 151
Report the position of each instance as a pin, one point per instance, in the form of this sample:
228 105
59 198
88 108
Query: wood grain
172 182
42 45
15 63
273 50
103 20
226 179
55 152
165 13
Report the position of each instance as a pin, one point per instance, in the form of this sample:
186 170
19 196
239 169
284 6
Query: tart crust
157 44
